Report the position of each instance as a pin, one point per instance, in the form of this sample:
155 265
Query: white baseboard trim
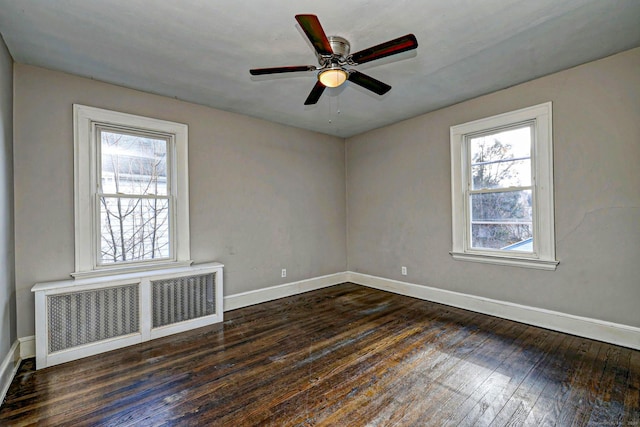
244 299
614 333
8 369
27 347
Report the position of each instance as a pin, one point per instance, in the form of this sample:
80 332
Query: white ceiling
201 51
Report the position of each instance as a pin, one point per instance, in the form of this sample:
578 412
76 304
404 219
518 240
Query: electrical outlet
284 272
404 270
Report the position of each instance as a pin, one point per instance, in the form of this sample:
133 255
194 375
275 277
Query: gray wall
399 196
266 196
262 196
7 279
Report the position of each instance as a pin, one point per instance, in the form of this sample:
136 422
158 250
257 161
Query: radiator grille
183 298
89 316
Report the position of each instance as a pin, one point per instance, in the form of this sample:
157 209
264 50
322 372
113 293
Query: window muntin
135 205
500 195
502 189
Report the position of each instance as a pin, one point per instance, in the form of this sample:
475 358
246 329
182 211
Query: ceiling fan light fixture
333 77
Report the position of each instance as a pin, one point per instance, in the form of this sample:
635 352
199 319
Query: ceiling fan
333 57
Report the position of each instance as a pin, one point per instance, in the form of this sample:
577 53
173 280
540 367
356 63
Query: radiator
83 317
79 318
182 298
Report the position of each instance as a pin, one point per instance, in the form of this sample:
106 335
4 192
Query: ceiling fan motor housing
340 47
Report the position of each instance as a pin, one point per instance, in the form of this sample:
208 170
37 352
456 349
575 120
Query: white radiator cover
82 317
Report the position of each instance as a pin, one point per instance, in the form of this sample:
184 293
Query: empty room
360 213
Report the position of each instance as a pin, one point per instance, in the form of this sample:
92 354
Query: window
131 192
502 189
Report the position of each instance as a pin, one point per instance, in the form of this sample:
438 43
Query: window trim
85 120
543 256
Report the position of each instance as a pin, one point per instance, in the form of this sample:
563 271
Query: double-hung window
131 192
502 189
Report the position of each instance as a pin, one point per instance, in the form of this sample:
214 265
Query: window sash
100 235
471 222
96 141
169 139
470 191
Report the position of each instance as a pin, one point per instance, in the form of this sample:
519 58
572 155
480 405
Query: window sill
109 271
535 263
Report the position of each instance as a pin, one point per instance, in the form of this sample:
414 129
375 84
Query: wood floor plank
340 356
457 396
549 405
608 397
392 358
423 371
493 394
549 368
389 398
579 404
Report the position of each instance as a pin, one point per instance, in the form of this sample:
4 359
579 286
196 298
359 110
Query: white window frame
543 255
86 164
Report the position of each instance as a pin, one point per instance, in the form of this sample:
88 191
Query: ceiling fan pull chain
338 122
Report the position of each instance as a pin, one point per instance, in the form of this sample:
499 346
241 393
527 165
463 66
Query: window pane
133 229
133 164
502 206
501 159
501 219
507 237
512 173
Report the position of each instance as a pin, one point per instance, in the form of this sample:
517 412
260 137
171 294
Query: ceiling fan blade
368 82
312 28
315 94
392 47
276 70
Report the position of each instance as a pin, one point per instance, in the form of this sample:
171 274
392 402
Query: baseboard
244 299
27 347
8 369
614 333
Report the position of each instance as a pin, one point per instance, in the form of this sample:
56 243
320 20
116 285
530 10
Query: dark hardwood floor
341 356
